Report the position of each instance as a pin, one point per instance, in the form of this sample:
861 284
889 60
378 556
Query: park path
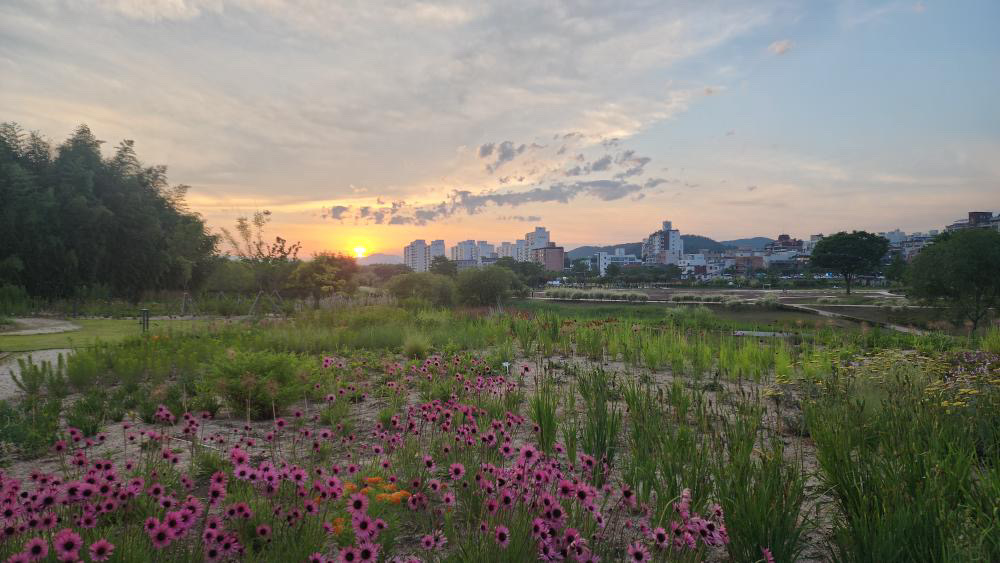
34 325
831 314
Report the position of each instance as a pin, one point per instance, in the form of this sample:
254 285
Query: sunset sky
371 123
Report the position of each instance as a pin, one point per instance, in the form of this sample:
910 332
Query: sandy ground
27 326
40 326
9 364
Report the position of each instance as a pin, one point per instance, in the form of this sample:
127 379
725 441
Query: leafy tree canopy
72 221
443 266
961 269
849 254
530 274
435 289
487 286
324 275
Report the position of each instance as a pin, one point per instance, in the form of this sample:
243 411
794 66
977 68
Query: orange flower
365 490
390 487
350 487
398 497
373 480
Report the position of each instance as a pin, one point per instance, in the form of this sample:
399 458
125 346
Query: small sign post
144 319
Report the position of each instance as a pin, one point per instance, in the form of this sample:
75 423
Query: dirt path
28 326
10 364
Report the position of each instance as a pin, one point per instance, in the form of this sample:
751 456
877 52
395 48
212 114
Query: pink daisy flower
502 535
101 550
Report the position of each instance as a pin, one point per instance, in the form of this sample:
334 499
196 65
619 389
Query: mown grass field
91 331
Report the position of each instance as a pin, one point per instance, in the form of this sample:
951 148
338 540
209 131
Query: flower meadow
528 437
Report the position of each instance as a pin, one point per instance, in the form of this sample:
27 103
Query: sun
360 251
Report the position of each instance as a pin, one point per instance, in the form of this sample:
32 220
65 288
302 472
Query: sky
373 123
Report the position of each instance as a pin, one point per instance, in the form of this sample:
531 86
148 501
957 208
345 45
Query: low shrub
257 385
416 346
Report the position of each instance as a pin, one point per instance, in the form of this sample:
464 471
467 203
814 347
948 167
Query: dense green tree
531 274
580 270
961 269
487 286
435 289
378 274
849 254
441 265
230 275
896 270
72 221
324 275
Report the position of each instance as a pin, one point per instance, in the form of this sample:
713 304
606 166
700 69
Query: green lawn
91 330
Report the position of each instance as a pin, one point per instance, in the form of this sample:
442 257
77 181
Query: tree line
72 221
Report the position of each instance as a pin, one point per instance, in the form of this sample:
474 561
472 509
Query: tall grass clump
762 491
900 468
991 341
603 420
543 414
416 346
666 453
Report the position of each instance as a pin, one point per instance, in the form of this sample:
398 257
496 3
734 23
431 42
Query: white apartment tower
465 250
485 249
507 250
539 238
664 246
418 254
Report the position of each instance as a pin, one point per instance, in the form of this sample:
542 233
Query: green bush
435 289
486 287
30 426
258 385
416 345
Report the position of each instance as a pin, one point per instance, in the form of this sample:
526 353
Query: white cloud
780 47
156 10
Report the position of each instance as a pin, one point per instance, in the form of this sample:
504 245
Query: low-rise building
551 257
605 259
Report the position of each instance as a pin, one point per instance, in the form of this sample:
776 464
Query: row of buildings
786 254
536 246
665 247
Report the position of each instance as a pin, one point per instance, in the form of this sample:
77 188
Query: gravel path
9 364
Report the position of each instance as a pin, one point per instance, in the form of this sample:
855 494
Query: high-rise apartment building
484 249
418 254
465 250
507 250
537 238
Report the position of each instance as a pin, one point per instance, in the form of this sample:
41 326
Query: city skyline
370 125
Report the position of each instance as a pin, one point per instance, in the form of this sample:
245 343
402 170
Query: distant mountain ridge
379 258
756 243
692 245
